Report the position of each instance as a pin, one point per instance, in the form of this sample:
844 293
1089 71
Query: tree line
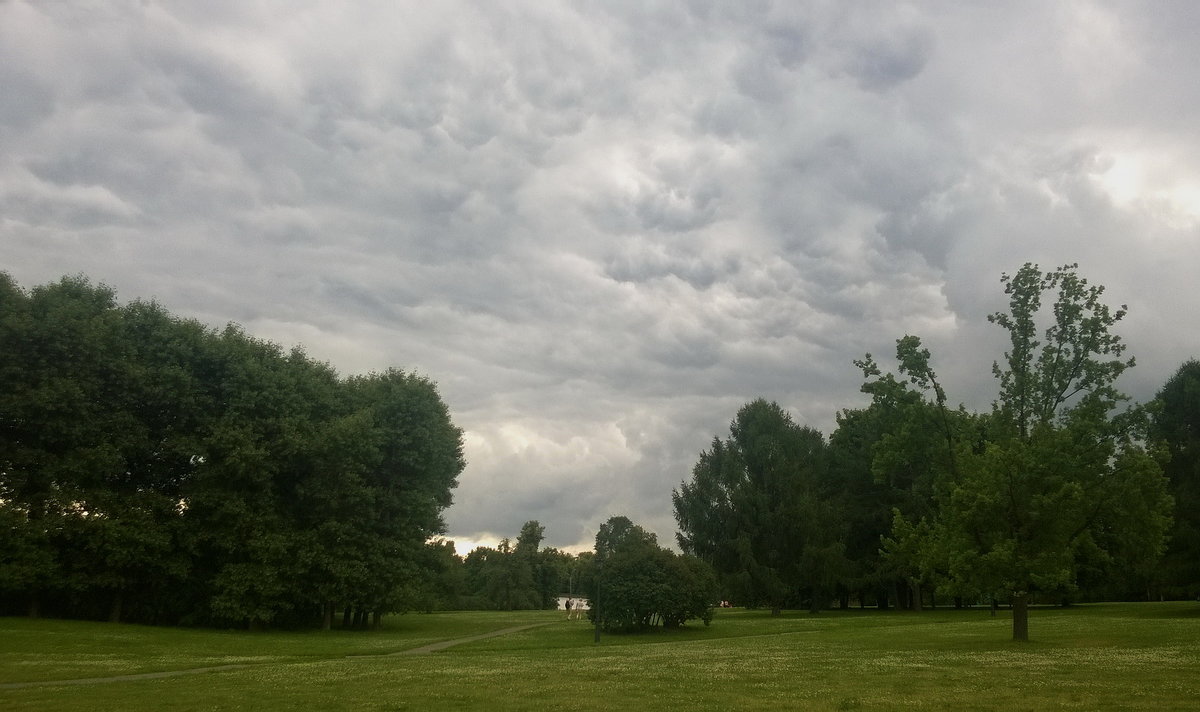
1056 494
157 470
630 582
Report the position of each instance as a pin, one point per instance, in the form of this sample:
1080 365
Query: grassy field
1110 656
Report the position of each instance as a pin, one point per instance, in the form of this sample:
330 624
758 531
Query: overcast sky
601 227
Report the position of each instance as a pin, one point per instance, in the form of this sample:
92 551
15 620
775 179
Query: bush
634 584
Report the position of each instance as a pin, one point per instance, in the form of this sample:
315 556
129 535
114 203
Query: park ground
1087 657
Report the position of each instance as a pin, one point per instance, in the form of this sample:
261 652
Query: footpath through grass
1110 656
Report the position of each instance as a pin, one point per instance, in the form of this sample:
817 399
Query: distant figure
569 604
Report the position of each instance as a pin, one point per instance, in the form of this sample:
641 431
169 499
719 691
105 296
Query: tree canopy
1058 477
757 512
1176 423
633 584
1057 489
166 471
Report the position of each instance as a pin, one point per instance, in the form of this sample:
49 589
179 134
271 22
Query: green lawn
1110 656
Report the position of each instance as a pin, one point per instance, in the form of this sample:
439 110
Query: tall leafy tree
506 578
28 512
153 466
65 432
509 579
134 535
553 576
543 565
420 456
1061 473
916 436
1176 424
864 501
241 500
755 510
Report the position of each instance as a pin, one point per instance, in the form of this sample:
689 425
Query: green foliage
1176 424
634 584
152 466
758 510
894 455
520 577
1057 480
440 584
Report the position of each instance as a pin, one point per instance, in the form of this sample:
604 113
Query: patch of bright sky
1150 182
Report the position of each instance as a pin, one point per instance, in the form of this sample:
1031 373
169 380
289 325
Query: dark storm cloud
603 227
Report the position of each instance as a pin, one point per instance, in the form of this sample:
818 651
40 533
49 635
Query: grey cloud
26 101
640 261
886 62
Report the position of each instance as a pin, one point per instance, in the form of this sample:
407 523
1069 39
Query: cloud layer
602 227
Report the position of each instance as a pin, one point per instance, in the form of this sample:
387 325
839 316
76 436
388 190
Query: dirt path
423 650
434 647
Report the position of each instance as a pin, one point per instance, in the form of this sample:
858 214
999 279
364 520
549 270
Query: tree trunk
958 602
883 600
916 596
35 606
375 620
346 618
327 616
1020 617
114 612
776 611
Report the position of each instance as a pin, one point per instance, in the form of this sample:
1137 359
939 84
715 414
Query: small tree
634 584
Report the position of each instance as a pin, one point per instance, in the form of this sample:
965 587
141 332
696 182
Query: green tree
757 512
240 503
547 567
29 512
439 586
914 440
874 484
1176 423
517 576
1061 472
508 579
152 465
553 576
89 439
634 584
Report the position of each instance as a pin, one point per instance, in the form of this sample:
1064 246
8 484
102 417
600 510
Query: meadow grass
1103 656
35 650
